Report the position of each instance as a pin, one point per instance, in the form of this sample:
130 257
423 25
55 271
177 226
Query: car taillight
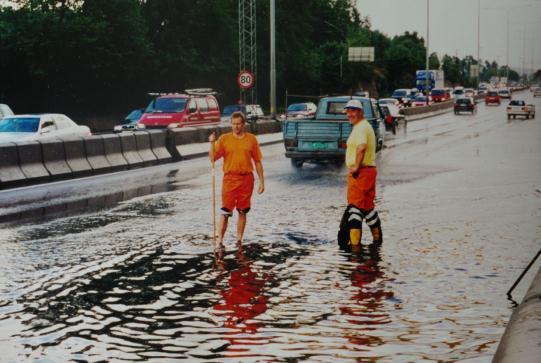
291 142
524 108
342 145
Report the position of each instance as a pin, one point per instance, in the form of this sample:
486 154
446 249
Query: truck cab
324 138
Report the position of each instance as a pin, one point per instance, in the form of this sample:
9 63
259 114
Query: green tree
433 61
405 55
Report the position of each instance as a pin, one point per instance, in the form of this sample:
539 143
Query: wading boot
377 234
355 235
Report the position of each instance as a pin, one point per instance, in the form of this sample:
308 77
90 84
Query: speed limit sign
245 79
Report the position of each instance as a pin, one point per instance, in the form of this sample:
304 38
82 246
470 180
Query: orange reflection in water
243 298
366 308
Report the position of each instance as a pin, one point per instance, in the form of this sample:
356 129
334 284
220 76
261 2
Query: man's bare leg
222 228
241 226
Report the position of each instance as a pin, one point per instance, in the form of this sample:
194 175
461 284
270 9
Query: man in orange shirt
238 148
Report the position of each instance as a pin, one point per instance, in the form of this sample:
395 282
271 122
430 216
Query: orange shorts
362 190
237 191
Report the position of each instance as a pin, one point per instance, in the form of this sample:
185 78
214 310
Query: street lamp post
478 40
507 67
273 60
427 44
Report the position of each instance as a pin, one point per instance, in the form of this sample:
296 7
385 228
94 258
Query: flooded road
460 202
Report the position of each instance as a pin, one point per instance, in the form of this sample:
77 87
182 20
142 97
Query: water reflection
243 296
242 287
147 304
367 304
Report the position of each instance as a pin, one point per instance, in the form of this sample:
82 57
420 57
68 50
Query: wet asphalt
120 267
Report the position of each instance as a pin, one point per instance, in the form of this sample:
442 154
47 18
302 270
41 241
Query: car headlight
140 127
117 128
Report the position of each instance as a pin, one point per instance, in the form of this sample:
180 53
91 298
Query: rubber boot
377 234
355 235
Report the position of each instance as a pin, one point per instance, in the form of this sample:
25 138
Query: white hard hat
354 104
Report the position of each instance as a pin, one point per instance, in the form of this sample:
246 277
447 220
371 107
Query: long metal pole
523 273
478 39
213 171
523 50
507 68
273 59
427 44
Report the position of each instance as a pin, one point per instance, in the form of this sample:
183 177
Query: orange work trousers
362 189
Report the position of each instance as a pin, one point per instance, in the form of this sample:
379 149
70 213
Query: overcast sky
453 26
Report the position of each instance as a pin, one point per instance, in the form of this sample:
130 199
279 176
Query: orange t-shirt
237 153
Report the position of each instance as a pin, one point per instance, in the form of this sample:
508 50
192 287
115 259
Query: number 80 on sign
245 79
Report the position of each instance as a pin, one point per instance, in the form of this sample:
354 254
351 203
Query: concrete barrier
31 161
25 163
10 172
74 148
410 111
95 154
266 127
54 158
157 143
142 140
180 136
113 152
521 341
129 150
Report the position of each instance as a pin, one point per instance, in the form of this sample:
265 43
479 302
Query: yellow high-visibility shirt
362 133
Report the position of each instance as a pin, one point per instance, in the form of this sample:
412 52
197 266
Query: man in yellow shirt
238 148
361 182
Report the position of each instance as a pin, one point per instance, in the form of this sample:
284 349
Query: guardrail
32 162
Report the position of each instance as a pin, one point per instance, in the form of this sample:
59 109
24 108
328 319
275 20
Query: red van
492 97
196 107
440 95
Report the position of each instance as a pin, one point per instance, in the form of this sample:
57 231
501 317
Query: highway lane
459 197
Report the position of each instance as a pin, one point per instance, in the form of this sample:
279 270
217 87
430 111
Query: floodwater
460 202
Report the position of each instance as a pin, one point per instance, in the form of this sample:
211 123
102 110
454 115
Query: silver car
37 127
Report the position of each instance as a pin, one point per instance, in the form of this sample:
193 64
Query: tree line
102 57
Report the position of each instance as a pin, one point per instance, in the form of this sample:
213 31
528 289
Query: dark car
464 104
130 122
301 110
228 111
252 112
392 116
403 96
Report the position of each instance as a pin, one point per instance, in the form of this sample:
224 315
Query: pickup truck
520 108
324 138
